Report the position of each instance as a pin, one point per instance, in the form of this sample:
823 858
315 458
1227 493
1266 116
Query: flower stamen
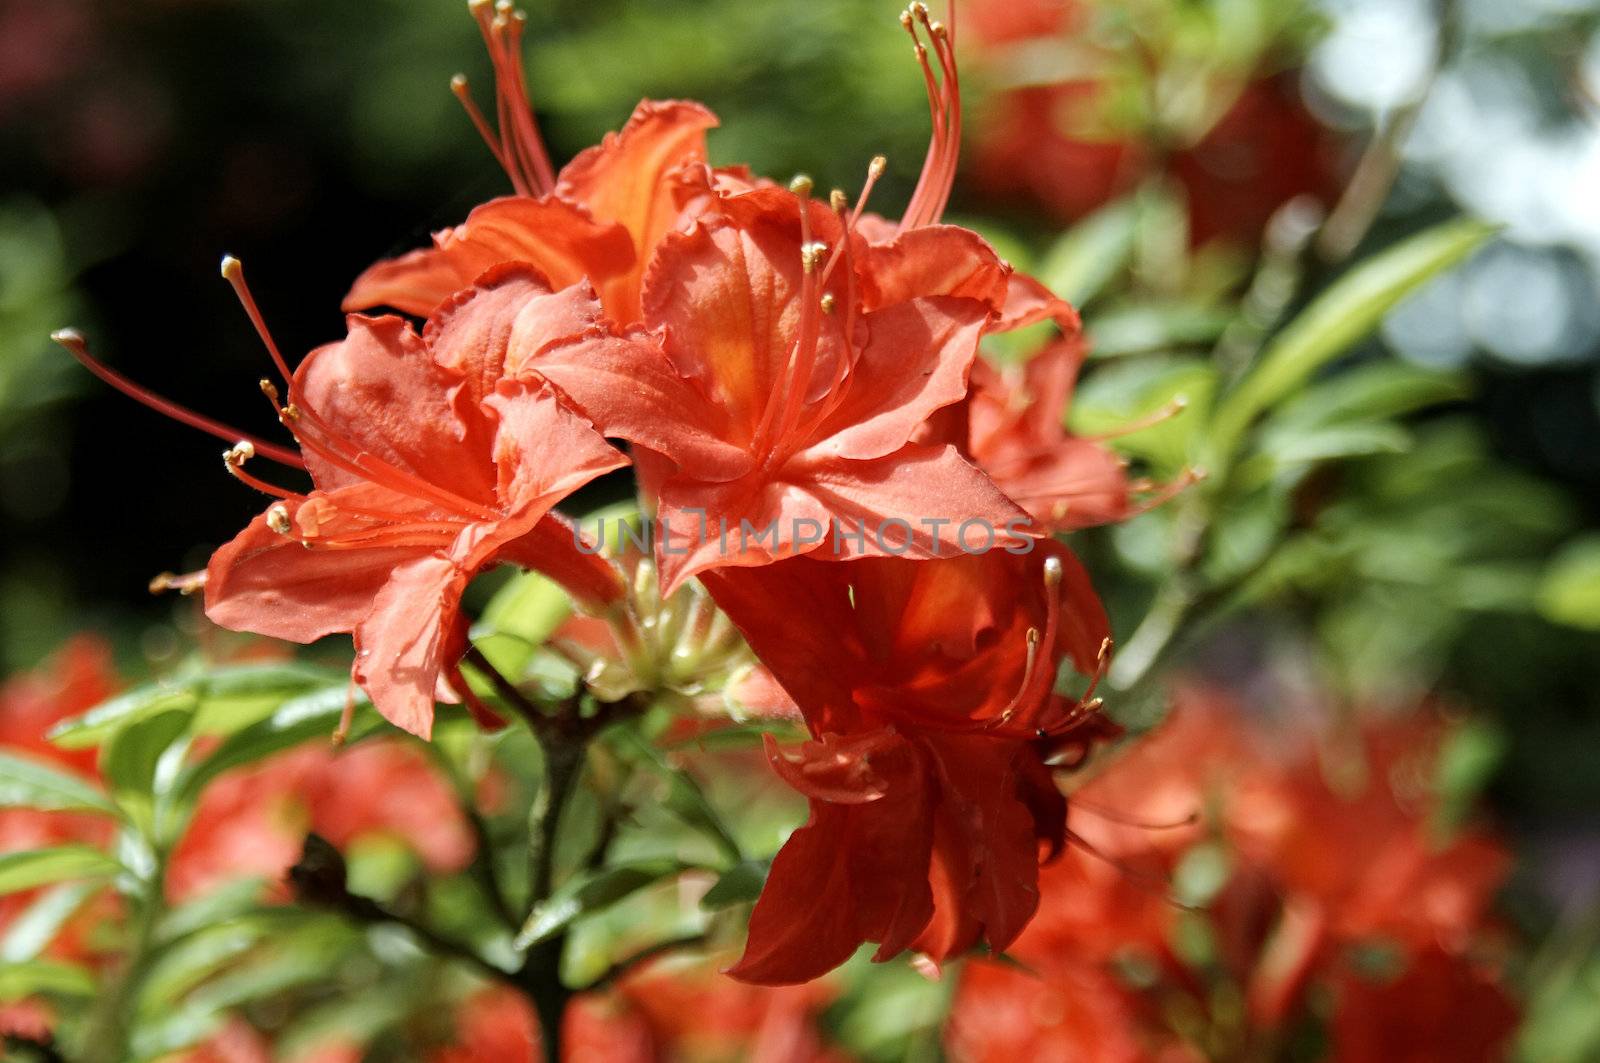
75 344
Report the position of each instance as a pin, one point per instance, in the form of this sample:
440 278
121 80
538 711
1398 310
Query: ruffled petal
555 237
623 179
916 361
379 395
628 388
270 584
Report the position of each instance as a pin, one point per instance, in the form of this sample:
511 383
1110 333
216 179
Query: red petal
726 294
853 873
623 179
555 237
542 450
915 362
381 392
269 584
471 332
413 632
931 260
1027 302
933 489
626 386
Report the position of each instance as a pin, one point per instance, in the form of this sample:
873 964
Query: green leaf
1350 308
1569 590
1083 261
589 892
128 761
44 978
518 619
26 783
684 798
38 924
40 867
1155 328
300 719
1291 448
93 727
1374 392
222 699
740 884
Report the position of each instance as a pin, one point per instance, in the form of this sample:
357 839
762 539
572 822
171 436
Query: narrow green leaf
739 884
590 892
44 978
1144 328
1569 590
300 719
237 694
93 727
38 924
684 798
1084 260
1375 392
1350 309
128 761
26 783
40 867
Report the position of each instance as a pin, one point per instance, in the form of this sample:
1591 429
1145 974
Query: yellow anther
800 185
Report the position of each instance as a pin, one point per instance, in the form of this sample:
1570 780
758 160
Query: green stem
106 1037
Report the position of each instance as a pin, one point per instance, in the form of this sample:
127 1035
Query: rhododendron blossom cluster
780 364
659 489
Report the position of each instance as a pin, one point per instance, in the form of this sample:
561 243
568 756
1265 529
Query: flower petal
726 295
271 585
919 502
542 450
623 179
555 237
415 628
628 388
380 393
931 260
915 362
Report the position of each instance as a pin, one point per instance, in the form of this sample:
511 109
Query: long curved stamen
834 395
936 116
185 584
75 344
233 273
1036 692
944 108
233 460
521 151
943 35
1111 815
1156 885
1165 412
463 92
